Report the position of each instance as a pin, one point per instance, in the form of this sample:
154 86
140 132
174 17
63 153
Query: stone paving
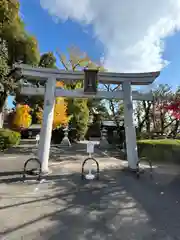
119 206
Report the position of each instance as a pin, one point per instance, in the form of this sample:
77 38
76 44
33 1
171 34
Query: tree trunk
154 116
147 116
147 107
162 121
3 98
141 125
175 129
114 113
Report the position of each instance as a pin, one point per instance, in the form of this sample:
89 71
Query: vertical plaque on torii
90 81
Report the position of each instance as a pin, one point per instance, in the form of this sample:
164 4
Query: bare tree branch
62 60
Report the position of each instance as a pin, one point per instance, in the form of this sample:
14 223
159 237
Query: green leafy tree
80 117
102 110
21 46
4 69
94 129
47 60
15 45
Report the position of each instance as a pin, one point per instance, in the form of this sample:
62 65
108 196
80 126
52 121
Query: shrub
160 150
8 138
80 117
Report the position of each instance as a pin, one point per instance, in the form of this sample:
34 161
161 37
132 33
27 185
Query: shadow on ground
58 154
61 151
117 207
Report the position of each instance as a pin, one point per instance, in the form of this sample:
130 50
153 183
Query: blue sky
52 36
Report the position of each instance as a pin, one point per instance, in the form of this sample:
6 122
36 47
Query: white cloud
132 31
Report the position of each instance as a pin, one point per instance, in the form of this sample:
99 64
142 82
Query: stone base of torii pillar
65 142
103 141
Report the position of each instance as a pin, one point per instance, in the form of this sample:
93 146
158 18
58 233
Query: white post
46 130
131 146
90 151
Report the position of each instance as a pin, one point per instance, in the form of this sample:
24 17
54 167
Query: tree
101 109
116 107
21 46
142 112
94 129
21 119
174 108
47 60
80 117
174 105
78 108
37 115
60 113
16 44
159 115
9 18
4 69
162 95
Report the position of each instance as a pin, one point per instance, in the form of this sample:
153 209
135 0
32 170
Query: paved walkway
117 207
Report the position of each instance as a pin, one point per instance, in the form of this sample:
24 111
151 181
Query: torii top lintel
43 74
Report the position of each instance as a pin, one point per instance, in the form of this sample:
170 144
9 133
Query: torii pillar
46 129
130 132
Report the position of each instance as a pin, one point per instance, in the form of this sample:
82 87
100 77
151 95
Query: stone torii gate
90 77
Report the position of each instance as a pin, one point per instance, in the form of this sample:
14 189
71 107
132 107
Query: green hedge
8 138
161 150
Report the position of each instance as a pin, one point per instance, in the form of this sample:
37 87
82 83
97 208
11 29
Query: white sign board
90 147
